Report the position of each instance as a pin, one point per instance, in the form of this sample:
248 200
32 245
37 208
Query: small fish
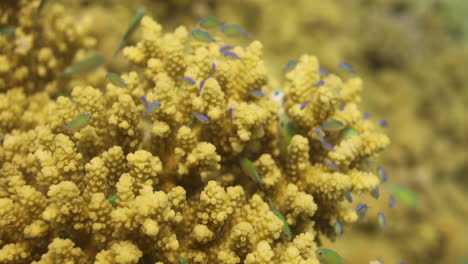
182 260
362 210
277 95
328 145
231 55
40 7
202 118
349 132
349 196
233 31
366 115
202 36
152 107
319 83
7 31
209 23
250 170
319 134
144 101
383 174
346 66
328 256
115 79
257 93
287 132
403 195
338 229
323 71
333 126
213 65
79 123
382 220
342 106
333 165
85 65
392 201
304 104
189 80
202 83
286 228
290 66
131 28
375 192
225 48
230 114
383 123
113 198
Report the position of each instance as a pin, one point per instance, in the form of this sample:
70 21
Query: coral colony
142 171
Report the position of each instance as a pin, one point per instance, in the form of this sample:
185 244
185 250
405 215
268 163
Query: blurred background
413 58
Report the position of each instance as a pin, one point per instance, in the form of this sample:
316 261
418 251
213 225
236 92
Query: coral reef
130 188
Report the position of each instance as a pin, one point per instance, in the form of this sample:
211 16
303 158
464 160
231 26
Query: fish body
328 256
375 192
202 36
287 132
113 198
213 65
286 229
347 67
349 132
362 210
202 118
333 126
85 65
115 79
189 80
333 165
366 115
349 196
382 220
403 195
233 31
151 108
131 28
183 261
392 201
257 93
338 229
209 23
79 122
290 66
304 104
383 123
230 114
231 55
250 170
225 48
319 83
383 174
323 71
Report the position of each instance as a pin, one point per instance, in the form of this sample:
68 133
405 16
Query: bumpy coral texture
179 187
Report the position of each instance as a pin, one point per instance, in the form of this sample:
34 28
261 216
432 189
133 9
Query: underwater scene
235 131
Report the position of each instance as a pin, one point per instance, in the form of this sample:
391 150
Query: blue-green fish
349 132
392 201
304 104
383 123
85 65
79 123
323 71
202 36
346 66
183 261
383 174
362 210
7 31
290 66
202 118
113 198
257 93
209 22
189 80
225 48
366 115
231 55
338 229
333 165
375 192
382 220
40 7
131 28
233 31
250 170
349 196
115 79
328 256
150 108
403 195
286 229
287 132
333 126
230 114
319 83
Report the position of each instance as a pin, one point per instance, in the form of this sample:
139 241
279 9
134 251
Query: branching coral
132 187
